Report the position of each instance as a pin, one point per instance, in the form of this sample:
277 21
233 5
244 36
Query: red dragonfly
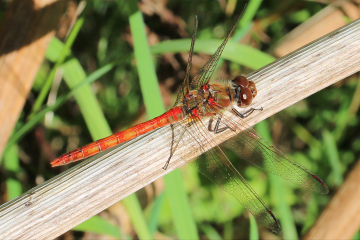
219 104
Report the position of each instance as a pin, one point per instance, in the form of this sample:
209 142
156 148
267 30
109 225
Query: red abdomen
173 115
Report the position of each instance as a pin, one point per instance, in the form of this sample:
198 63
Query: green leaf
89 106
155 213
99 225
11 162
183 219
333 155
210 232
254 232
61 100
146 68
61 57
241 54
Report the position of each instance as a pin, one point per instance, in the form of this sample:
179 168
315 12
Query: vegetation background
320 132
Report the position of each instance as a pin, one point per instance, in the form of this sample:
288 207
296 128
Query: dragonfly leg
247 113
172 149
217 129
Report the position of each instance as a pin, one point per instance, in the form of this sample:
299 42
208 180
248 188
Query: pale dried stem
95 184
25 33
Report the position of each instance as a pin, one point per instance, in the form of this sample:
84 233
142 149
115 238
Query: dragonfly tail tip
55 163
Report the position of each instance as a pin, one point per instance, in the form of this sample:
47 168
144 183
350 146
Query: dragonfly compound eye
246 97
252 88
241 81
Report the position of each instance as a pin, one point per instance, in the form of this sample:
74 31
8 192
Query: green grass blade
277 191
11 164
254 232
180 209
245 22
64 52
241 54
210 232
146 68
333 155
89 106
54 50
155 213
137 217
184 224
356 236
283 209
250 11
312 210
99 225
305 136
60 101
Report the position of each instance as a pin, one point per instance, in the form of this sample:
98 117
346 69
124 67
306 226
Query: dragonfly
220 103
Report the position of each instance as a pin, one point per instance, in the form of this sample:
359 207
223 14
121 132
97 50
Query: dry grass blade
25 33
93 185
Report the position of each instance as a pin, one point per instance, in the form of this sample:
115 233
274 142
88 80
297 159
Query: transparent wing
248 144
272 160
203 76
217 167
185 86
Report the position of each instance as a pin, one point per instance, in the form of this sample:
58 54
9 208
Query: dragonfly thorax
209 98
193 102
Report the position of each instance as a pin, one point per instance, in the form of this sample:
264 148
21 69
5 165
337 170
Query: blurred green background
108 43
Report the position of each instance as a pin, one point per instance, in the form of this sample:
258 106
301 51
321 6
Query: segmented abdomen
173 115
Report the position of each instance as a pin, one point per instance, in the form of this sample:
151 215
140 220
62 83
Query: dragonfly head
245 91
